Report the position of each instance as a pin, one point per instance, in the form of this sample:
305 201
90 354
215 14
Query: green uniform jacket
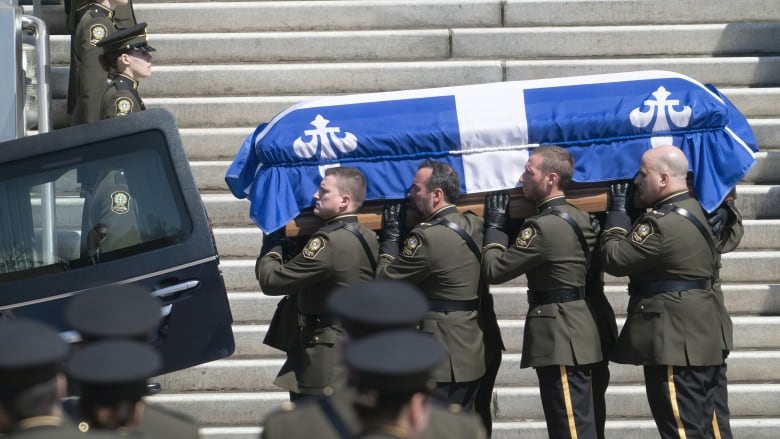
121 97
333 257
440 263
549 253
729 240
307 420
163 422
91 80
44 427
678 328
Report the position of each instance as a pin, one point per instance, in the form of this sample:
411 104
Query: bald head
661 174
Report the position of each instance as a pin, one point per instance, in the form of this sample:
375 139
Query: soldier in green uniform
391 374
561 337
96 22
365 309
30 381
125 312
127 58
340 253
437 256
670 258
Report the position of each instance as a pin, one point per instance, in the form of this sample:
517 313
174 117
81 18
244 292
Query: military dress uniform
561 337
121 97
670 329
91 80
440 262
333 257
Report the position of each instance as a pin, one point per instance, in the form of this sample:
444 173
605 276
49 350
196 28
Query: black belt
443 305
316 321
555 296
665 286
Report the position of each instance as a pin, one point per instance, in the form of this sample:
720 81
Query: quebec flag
486 132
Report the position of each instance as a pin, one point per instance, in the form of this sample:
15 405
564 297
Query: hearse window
87 205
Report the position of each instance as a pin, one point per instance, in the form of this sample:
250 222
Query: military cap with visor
125 40
117 311
32 353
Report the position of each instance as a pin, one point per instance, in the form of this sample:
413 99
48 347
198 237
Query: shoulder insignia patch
313 247
525 237
120 202
641 232
96 33
411 245
123 106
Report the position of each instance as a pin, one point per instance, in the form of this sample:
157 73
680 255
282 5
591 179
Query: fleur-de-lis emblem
663 111
324 139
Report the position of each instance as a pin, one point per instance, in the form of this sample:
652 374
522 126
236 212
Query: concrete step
750 333
254 307
432 44
329 78
512 403
754 428
210 175
258 374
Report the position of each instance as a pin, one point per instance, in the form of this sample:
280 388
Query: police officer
127 58
111 379
30 380
341 252
670 257
441 256
561 337
95 22
126 312
391 374
365 309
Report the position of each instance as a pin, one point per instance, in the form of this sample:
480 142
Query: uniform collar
126 80
39 421
387 430
346 218
558 200
99 8
671 199
444 211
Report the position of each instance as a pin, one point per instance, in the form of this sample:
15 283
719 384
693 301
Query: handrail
43 73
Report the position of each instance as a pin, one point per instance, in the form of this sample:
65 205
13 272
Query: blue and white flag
486 131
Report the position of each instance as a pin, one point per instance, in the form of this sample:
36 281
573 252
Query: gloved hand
720 217
595 224
393 221
272 242
618 196
497 210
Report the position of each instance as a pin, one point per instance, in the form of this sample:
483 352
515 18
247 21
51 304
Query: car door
106 204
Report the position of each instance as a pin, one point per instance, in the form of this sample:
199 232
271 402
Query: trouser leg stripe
715 427
673 401
567 402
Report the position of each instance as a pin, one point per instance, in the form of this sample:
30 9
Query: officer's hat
134 37
32 353
119 311
397 361
369 307
113 370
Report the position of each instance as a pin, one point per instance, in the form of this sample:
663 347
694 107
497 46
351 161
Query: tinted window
88 205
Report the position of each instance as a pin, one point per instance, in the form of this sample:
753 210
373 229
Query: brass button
538 311
641 307
316 338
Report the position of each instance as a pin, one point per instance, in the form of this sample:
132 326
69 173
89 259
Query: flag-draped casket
486 132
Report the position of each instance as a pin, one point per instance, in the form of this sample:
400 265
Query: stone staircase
222 67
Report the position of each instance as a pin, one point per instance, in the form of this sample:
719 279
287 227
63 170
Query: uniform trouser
599 383
567 402
721 426
682 399
463 393
484 399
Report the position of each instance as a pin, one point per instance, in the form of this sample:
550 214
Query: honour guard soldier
31 384
95 22
391 374
365 309
441 256
670 258
561 337
127 58
340 253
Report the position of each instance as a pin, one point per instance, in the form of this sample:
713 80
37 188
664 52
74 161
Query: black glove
272 242
393 221
618 196
497 210
595 224
721 217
